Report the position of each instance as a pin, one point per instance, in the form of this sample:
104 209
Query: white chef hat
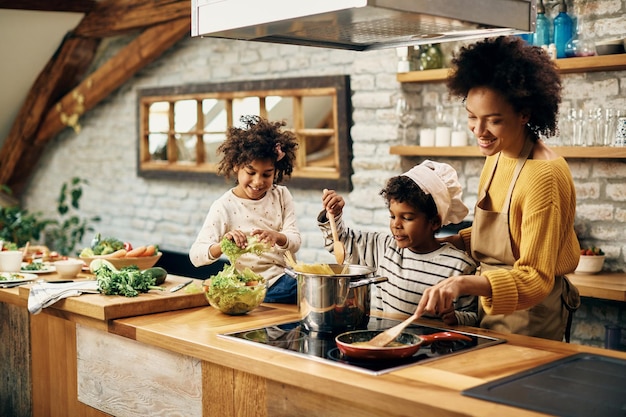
442 183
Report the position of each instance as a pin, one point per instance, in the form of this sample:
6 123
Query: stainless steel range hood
360 24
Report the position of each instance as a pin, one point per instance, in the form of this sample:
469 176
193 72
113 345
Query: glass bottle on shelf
431 57
562 29
580 44
405 116
542 35
459 135
443 131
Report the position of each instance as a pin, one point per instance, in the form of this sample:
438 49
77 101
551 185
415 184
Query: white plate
45 269
5 277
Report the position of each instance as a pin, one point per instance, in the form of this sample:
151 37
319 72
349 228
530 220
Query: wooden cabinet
566 66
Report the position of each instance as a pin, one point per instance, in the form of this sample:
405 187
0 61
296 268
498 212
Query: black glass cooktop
293 338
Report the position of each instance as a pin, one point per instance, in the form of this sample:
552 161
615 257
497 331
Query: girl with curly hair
523 229
259 155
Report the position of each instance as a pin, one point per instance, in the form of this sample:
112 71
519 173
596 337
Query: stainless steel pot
334 303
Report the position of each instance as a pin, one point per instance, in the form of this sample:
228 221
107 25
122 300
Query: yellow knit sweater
541 222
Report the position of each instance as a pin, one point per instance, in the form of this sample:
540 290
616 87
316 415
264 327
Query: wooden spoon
389 335
338 248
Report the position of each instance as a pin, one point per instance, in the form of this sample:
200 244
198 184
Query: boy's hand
333 202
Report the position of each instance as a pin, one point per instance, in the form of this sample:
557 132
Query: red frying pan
354 344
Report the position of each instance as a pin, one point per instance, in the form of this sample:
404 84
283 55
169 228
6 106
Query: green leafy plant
64 234
18 225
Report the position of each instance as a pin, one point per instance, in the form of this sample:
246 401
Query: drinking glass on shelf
577 121
405 116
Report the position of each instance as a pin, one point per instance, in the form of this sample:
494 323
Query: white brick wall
169 213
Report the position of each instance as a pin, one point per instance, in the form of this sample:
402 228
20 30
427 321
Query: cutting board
109 307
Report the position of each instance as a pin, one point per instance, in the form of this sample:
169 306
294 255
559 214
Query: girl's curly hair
525 75
259 139
404 190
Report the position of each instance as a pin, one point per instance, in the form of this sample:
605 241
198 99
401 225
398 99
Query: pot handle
367 281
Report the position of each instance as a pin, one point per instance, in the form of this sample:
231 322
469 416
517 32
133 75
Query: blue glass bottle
562 29
542 36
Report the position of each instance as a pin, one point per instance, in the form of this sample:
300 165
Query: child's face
254 179
411 229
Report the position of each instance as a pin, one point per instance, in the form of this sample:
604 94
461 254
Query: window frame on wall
334 170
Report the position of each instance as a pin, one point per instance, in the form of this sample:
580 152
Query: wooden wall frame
333 172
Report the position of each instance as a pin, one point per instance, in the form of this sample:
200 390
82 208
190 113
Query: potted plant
18 225
62 234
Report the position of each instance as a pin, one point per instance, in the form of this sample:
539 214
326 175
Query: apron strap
528 146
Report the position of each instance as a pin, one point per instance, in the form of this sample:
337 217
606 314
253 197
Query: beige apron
491 246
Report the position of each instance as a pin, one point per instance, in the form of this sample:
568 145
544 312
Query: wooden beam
78 6
115 17
63 72
142 51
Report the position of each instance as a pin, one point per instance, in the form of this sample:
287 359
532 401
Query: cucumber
157 273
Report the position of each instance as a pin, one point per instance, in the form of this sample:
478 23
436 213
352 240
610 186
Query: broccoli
233 252
128 281
107 245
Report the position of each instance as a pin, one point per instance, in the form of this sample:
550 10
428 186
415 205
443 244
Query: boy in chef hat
420 202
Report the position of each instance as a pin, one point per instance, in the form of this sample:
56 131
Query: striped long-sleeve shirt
409 273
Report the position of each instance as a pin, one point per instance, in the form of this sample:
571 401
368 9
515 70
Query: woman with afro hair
259 156
523 229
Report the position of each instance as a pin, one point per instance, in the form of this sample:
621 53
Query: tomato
128 246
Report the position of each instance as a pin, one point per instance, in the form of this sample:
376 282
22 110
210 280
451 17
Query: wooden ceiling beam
76 6
56 99
115 17
62 73
140 52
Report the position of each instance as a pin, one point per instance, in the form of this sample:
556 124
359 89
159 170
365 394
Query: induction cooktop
294 338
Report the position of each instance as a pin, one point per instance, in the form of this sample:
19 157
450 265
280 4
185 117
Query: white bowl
590 264
68 268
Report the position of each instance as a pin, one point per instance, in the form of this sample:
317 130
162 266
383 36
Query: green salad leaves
233 252
233 292
236 292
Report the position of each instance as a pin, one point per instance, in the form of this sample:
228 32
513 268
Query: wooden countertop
432 388
605 285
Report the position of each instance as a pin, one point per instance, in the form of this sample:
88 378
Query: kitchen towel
45 294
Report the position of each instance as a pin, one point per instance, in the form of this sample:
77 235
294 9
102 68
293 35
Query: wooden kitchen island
174 363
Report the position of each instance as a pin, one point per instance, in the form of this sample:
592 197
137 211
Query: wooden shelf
582 152
566 66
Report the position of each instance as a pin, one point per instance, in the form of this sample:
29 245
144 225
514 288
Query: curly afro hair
260 139
404 190
525 75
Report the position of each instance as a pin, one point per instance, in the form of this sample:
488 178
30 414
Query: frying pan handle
427 339
367 281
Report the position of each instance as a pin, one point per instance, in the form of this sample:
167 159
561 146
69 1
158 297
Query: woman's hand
333 202
439 299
